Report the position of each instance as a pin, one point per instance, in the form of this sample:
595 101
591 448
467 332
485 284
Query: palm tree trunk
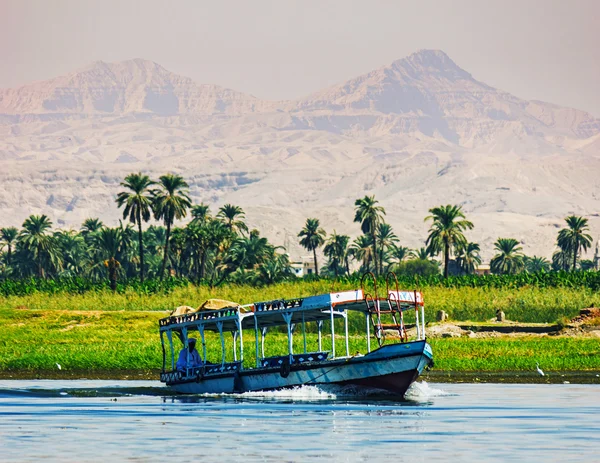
374 252
8 255
141 242
315 257
164 264
347 266
574 258
446 259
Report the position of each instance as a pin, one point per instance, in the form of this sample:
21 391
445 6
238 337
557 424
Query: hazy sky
536 49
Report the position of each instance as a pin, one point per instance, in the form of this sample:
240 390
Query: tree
200 213
574 239
561 260
35 238
336 249
446 232
170 203
90 226
419 254
467 258
362 249
232 216
420 267
369 215
586 264
386 238
399 253
313 238
109 243
74 252
536 264
509 260
138 206
8 236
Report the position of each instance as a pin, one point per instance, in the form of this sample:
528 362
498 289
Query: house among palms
303 266
482 269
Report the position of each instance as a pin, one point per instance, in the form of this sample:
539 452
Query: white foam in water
422 391
296 393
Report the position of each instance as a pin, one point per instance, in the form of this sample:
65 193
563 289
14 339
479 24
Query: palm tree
232 216
467 258
313 238
74 252
536 264
170 202
398 253
561 260
138 206
419 254
446 232
91 225
336 249
109 243
510 258
200 213
386 238
36 239
362 249
369 215
574 238
8 236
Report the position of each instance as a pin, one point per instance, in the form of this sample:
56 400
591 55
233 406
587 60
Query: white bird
539 370
58 366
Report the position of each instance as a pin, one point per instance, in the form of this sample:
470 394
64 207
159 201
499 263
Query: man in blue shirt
194 356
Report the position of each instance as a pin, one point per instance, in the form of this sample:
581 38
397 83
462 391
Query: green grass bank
112 343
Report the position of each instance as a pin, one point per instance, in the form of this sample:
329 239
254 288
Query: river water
79 421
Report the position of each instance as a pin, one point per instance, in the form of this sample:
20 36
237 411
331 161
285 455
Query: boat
392 365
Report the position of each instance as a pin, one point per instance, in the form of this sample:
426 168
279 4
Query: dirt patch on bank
586 324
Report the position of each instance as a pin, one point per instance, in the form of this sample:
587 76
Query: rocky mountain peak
425 63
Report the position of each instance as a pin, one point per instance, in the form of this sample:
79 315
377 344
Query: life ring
285 369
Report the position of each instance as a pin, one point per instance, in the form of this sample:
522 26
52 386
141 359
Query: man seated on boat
194 356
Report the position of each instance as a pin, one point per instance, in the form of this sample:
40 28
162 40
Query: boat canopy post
185 346
288 320
368 318
164 357
319 328
332 331
241 336
423 320
263 334
304 332
170 338
234 335
256 338
220 328
417 316
345 314
201 331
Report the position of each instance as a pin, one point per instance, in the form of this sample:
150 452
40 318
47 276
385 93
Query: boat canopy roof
232 316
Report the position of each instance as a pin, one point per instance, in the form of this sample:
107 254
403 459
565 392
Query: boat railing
279 360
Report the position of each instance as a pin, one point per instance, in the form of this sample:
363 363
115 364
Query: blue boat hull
392 368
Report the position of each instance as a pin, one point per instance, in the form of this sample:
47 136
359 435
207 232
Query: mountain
134 86
417 133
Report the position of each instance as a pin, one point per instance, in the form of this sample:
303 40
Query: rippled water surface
78 421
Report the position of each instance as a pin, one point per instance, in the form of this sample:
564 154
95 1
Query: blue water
78 421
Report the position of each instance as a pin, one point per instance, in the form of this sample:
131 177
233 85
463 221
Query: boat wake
421 391
418 391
